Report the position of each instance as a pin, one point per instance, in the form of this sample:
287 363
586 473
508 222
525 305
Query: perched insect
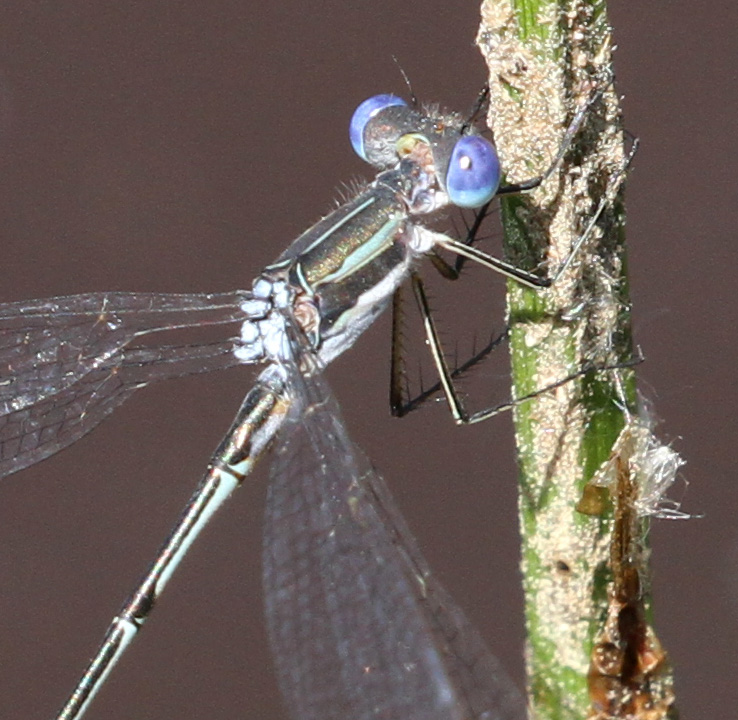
358 625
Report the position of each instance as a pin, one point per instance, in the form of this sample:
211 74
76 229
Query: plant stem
544 56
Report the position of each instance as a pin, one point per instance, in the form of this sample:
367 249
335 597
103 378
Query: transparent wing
66 363
47 345
359 626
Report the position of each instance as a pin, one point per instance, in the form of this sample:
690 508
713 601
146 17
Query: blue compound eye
473 174
364 113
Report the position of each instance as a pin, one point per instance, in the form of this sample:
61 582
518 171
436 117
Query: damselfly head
384 130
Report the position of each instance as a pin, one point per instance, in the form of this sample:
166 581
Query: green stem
544 57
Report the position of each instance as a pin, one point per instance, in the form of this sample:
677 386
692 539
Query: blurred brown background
176 146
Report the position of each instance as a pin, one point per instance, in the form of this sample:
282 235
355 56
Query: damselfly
358 626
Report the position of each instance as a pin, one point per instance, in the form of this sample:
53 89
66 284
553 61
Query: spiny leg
399 392
458 411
